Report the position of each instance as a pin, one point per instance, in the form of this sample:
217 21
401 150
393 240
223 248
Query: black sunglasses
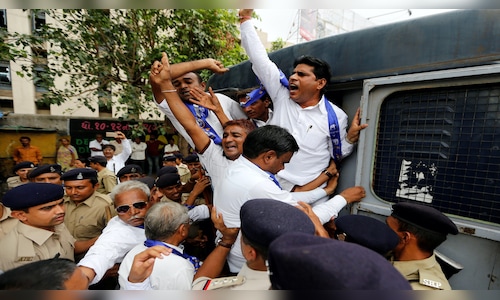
124 208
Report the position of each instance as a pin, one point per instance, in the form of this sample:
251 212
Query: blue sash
333 127
274 179
200 113
192 259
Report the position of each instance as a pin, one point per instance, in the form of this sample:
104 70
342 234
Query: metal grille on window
441 147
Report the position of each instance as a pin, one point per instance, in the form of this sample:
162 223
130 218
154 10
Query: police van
429 89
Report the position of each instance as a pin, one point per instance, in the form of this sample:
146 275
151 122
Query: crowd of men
247 211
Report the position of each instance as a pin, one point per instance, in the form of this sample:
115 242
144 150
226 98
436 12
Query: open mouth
293 87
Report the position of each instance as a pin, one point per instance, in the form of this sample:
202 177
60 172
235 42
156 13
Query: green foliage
277 45
108 53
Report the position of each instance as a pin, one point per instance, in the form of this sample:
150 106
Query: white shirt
309 126
260 123
138 151
231 108
96 144
214 162
113 244
242 181
170 273
170 148
118 161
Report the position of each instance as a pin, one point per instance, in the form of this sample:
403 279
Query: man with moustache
186 80
87 211
40 233
122 233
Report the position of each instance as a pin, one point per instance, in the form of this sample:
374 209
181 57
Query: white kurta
170 273
113 244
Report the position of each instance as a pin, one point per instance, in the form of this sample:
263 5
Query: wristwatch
224 244
330 175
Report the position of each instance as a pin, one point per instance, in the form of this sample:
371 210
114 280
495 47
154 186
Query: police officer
420 229
21 170
260 225
129 172
50 173
299 261
366 231
40 233
107 179
87 211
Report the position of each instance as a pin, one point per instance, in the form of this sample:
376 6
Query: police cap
169 158
424 217
368 232
167 180
79 174
129 169
299 261
166 170
23 165
191 158
52 168
263 220
32 194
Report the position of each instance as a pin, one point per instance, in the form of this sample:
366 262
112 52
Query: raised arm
161 81
179 69
210 102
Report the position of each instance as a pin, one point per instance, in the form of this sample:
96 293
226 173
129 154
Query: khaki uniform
86 220
247 279
25 244
7 223
423 274
14 181
184 173
107 181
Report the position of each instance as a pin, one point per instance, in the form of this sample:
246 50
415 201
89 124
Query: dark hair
321 68
246 124
269 137
109 146
25 137
426 240
48 274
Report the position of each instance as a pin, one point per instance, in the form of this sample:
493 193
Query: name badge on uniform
25 258
431 283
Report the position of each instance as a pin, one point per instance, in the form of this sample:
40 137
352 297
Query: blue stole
192 259
274 179
201 113
333 127
271 175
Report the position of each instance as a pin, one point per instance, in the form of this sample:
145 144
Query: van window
442 147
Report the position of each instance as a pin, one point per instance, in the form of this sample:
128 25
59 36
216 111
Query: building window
441 147
3 18
38 21
5 77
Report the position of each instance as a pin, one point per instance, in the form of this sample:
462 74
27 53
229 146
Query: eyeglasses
124 208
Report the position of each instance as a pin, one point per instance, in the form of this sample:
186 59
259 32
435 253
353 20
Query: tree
277 45
107 54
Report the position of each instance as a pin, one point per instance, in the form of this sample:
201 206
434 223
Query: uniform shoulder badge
223 282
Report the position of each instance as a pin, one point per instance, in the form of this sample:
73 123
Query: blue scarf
201 113
333 127
192 259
